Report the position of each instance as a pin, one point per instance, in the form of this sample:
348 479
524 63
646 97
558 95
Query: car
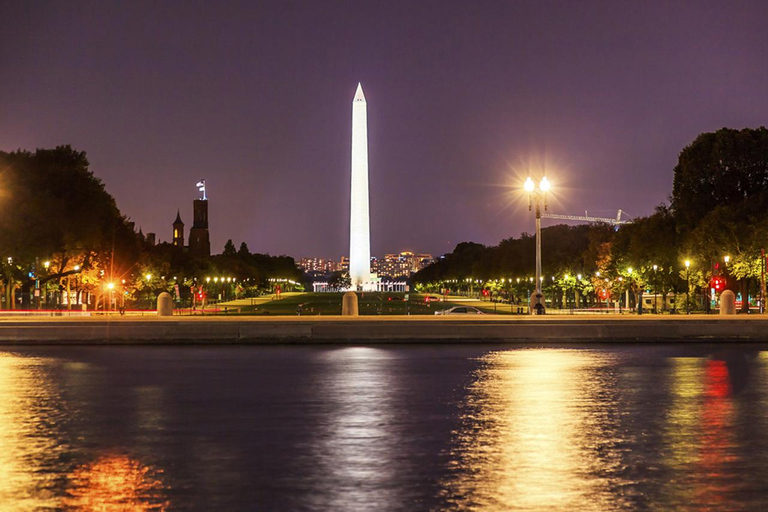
460 310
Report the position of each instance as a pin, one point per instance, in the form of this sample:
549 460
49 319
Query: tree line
62 233
716 220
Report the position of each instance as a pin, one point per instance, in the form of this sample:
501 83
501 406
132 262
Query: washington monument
359 218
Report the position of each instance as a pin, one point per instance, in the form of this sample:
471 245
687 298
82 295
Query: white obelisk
359 220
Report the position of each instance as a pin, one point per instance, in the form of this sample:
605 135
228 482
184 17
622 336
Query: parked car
460 310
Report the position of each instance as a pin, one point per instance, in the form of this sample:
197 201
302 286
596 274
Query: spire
178 218
359 96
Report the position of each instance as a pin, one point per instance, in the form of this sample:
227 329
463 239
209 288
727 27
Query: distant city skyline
469 98
389 265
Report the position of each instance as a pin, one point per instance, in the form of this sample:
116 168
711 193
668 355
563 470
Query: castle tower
178 231
199 241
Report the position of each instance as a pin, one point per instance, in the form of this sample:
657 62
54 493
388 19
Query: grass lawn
369 303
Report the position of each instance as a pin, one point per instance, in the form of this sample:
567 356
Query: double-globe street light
537 195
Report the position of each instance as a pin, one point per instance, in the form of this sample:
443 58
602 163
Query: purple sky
463 98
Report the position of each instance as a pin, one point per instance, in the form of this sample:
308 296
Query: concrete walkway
382 329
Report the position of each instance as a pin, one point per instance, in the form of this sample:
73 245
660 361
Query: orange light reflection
116 482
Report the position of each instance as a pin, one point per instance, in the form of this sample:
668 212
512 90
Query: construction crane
618 221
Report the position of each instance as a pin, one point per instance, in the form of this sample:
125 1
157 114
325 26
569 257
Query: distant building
178 231
151 239
199 238
318 266
402 264
391 266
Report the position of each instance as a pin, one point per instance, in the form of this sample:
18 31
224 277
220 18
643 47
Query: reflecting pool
421 427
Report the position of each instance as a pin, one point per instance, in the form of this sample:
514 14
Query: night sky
463 99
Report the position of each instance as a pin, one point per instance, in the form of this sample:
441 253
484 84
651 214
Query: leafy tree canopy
719 169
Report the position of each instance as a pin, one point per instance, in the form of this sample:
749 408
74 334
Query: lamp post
565 291
656 289
47 265
688 287
576 291
110 287
148 277
618 301
537 195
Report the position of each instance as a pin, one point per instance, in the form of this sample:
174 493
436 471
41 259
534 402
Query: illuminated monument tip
359 221
359 96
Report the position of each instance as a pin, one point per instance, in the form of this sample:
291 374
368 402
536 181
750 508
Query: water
390 428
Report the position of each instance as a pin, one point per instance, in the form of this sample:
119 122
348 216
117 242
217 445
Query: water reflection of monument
358 432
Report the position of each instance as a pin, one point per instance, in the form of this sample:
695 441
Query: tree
243 251
720 201
55 209
738 231
722 168
229 248
339 280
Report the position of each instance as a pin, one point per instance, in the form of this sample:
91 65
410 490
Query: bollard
537 304
349 304
164 304
727 303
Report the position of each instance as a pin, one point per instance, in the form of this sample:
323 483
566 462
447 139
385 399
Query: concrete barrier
375 329
349 304
727 303
164 304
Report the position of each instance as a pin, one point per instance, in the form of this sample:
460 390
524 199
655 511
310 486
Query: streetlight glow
544 185
687 263
529 186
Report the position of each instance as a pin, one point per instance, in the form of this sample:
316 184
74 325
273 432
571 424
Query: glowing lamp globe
528 186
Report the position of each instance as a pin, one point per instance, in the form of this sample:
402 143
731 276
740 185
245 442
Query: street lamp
537 195
621 283
656 288
688 287
110 287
